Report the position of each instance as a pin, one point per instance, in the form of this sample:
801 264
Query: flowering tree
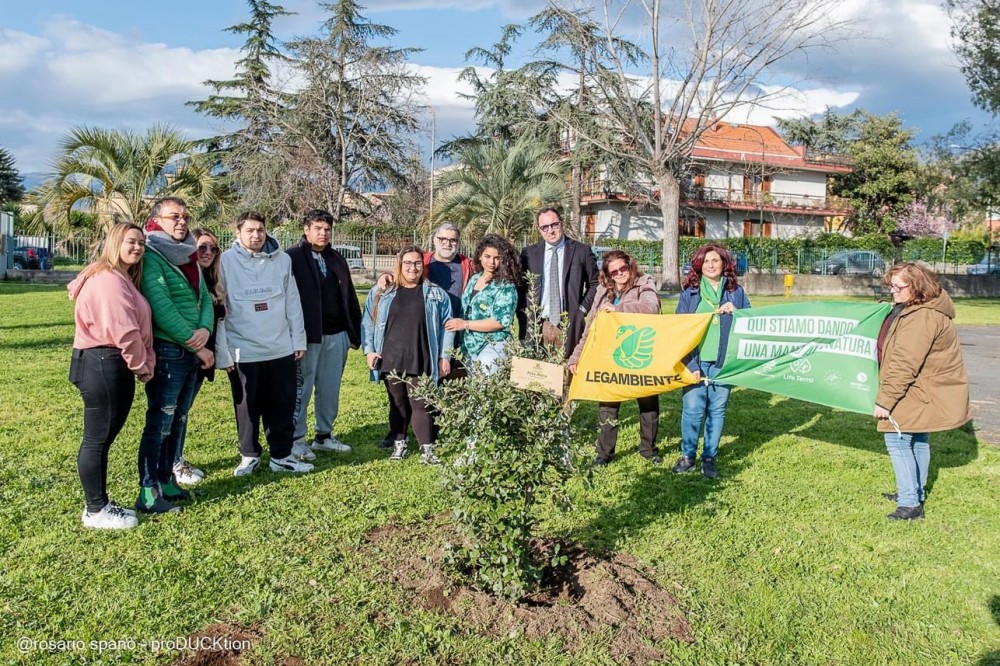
922 219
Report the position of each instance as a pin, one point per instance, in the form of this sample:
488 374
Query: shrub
515 448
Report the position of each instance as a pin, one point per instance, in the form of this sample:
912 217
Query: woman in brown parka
923 386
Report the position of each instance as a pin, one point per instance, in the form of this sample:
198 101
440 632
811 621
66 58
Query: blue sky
130 64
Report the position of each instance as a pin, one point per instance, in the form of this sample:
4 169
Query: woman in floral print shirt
488 303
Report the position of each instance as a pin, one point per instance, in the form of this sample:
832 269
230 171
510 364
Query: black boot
907 513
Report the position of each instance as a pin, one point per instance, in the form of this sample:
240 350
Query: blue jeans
910 454
703 404
169 395
489 356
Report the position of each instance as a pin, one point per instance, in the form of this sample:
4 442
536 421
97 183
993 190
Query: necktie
555 302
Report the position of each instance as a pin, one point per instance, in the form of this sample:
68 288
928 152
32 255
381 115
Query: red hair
693 279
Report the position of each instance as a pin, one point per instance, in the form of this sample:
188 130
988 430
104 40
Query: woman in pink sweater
113 342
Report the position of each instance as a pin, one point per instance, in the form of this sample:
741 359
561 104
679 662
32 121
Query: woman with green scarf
710 286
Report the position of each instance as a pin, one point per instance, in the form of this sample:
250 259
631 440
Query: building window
692 225
756 229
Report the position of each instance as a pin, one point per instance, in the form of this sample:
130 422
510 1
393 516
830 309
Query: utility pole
430 206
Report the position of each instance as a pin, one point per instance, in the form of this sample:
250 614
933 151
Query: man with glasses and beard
566 282
183 319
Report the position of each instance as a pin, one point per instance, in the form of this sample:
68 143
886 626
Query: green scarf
711 297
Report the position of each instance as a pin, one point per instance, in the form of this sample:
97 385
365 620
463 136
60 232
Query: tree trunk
575 184
670 190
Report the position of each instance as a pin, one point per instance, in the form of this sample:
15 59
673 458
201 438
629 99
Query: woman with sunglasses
923 386
403 332
709 287
623 288
112 346
488 303
208 252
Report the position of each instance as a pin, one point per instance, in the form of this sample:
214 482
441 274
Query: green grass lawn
787 559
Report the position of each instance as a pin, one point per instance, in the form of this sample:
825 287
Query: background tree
976 31
116 175
251 154
11 182
351 123
704 60
495 188
883 182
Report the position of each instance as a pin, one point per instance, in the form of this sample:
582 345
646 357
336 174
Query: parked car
32 258
851 262
355 260
988 265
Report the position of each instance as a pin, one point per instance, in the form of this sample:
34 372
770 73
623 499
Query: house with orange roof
743 180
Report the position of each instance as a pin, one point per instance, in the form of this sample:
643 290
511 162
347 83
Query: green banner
818 352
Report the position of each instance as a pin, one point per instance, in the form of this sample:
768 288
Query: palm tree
117 174
494 188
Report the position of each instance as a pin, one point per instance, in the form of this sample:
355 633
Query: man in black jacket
566 281
332 318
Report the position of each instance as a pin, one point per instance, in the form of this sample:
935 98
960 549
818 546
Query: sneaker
655 459
173 493
387 442
398 450
111 517
708 468
907 513
302 451
150 500
602 462
427 455
290 464
330 443
186 474
683 464
247 465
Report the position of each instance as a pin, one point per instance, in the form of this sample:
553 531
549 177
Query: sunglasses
176 218
208 249
624 270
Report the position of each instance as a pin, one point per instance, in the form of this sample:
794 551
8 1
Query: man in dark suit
566 281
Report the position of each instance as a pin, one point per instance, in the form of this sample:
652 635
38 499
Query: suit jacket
579 276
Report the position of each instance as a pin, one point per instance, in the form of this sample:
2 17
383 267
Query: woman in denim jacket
488 303
403 332
710 286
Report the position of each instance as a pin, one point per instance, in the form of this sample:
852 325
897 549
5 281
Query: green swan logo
635 347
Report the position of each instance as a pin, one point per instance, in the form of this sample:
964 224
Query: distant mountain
33 179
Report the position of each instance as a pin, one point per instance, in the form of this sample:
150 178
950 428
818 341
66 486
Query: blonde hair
923 282
110 258
218 293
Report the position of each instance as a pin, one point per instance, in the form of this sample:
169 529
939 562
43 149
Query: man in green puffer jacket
182 321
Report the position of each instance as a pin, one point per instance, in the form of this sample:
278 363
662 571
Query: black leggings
108 388
406 410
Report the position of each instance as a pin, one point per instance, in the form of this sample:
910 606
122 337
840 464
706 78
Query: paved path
981 349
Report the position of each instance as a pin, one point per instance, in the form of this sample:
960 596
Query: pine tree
11 182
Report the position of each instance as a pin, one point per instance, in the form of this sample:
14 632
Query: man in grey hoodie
258 343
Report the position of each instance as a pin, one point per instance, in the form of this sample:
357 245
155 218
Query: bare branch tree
704 58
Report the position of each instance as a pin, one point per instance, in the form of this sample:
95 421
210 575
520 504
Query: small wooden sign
532 375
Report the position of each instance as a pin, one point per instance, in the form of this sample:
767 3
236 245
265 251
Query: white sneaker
111 517
398 450
301 450
290 464
331 443
427 455
186 474
247 465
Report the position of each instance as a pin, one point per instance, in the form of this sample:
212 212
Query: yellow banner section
634 355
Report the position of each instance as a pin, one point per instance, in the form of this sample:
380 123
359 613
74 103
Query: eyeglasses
208 249
449 241
412 264
624 270
549 227
898 287
175 218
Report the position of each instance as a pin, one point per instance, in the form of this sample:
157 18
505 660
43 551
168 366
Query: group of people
165 305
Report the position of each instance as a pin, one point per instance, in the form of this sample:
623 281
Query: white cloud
18 50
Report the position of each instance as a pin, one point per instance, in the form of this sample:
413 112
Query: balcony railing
711 197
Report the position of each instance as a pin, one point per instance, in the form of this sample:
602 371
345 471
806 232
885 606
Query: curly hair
634 272
509 269
693 278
